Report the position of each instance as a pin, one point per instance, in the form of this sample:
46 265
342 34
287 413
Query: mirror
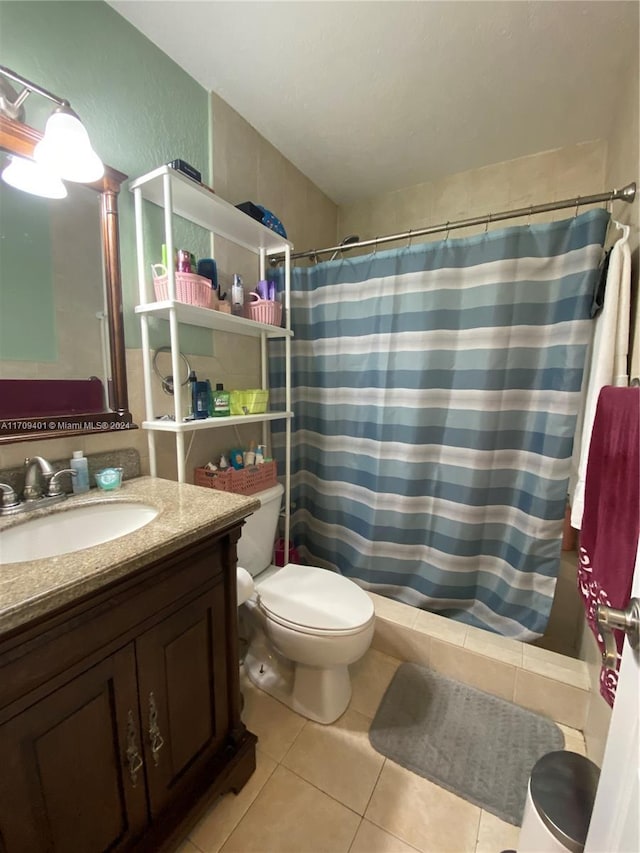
62 362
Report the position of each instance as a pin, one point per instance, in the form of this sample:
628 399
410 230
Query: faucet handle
54 487
8 496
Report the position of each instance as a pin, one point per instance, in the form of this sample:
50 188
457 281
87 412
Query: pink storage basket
246 481
190 288
263 310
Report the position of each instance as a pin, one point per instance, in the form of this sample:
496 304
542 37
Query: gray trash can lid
563 787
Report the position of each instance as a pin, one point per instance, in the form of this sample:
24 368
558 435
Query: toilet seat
315 601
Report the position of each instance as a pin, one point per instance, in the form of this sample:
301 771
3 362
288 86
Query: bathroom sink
72 529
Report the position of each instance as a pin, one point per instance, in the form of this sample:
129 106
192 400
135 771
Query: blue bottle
200 399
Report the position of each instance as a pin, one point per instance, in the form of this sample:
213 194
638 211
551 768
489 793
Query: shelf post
287 350
144 327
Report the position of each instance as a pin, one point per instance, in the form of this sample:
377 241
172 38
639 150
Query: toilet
308 623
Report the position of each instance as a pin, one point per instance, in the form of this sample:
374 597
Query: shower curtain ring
577 205
610 203
409 240
487 223
529 216
375 246
446 236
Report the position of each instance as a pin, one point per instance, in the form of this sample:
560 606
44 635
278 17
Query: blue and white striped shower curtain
435 392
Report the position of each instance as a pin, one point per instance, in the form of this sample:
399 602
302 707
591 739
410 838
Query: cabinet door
66 784
182 678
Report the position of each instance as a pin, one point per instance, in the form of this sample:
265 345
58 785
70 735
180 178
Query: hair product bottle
80 465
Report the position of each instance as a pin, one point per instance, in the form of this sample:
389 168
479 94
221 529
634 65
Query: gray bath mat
478 746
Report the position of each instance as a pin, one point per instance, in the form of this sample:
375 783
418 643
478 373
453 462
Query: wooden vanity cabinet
123 716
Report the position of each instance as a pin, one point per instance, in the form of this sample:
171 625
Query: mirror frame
20 139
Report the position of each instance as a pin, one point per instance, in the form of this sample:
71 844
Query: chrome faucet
32 486
34 496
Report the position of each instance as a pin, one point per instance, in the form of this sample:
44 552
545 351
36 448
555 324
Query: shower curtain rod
627 194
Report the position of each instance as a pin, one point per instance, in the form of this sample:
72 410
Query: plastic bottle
221 407
80 465
237 296
200 399
250 455
191 395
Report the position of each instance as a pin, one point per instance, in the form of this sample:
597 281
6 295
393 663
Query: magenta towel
611 520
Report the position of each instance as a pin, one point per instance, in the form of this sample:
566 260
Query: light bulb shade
31 177
66 150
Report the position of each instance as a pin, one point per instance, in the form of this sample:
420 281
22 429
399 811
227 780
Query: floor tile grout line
292 744
242 816
475 846
353 840
375 785
322 791
402 840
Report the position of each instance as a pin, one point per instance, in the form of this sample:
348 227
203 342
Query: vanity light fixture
31 177
64 151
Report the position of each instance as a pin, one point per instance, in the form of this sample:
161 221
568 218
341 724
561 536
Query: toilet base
317 693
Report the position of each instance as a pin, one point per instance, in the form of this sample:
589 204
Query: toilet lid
315 598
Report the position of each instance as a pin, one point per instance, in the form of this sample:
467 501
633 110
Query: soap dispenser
80 465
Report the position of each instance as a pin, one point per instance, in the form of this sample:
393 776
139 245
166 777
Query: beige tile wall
248 168
547 176
623 166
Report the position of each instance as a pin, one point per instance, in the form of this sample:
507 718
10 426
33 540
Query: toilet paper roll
245 584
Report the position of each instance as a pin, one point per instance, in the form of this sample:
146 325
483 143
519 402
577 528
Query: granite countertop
186 514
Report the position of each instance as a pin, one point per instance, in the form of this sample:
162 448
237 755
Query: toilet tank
255 547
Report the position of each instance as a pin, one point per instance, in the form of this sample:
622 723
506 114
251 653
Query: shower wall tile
414 208
450 197
246 167
440 627
539 178
565 669
400 642
489 183
560 701
492 645
581 171
478 670
534 678
370 677
394 611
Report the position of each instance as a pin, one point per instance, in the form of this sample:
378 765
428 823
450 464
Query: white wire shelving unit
179 196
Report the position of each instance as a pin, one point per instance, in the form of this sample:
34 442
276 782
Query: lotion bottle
79 464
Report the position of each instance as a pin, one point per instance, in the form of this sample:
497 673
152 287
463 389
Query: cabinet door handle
134 758
156 739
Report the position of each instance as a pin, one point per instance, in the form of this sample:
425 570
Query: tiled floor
324 789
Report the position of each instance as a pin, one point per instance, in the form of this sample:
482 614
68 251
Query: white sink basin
71 530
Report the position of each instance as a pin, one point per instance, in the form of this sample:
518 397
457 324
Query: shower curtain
435 392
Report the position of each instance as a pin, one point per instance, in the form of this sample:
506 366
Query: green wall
140 109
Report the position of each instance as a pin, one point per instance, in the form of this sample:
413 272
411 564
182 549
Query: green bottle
221 406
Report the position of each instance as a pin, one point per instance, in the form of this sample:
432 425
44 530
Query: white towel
607 364
245 584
